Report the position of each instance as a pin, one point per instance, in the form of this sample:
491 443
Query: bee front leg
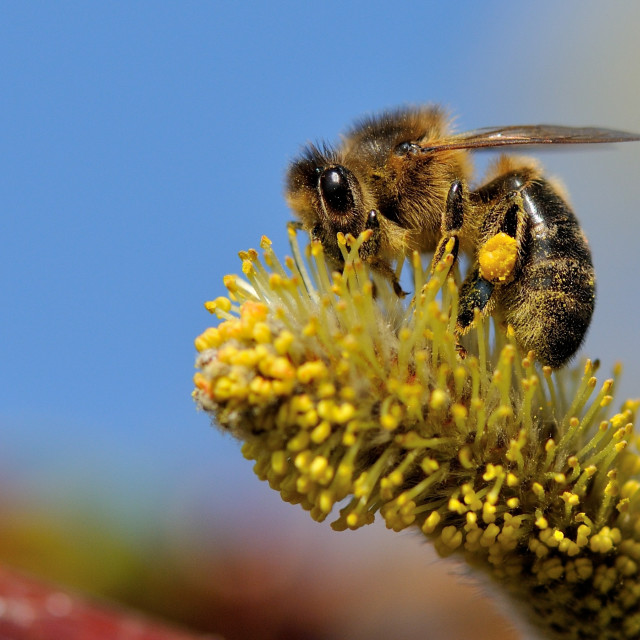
370 249
452 221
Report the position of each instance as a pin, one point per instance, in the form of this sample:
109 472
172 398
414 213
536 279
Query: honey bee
407 178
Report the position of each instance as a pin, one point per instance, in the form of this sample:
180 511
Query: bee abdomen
550 307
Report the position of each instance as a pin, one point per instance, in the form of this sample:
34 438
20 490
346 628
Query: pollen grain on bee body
346 396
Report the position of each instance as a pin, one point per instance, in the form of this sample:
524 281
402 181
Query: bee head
326 195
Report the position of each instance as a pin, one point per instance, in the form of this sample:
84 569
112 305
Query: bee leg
475 293
496 259
316 233
369 253
451 222
502 237
384 268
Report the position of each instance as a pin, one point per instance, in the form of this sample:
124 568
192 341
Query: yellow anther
466 457
254 310
321 432
279 462
429 465
538 489
488 512
247 268
311 328
319 468
299 442
261 332
438 399
456 506
207 340
303 460
230 282
431 522
310 371
389 421
571 499
493 471
345 412
201 382
326 390
451 537
278 367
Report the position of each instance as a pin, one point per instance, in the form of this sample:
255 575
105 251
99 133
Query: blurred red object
31 609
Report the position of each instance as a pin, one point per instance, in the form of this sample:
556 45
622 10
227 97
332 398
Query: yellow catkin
355 406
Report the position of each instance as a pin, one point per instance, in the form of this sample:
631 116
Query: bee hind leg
452 221
475 293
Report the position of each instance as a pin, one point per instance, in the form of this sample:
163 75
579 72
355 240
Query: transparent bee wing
531 134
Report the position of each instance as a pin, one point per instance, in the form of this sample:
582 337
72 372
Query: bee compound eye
335 189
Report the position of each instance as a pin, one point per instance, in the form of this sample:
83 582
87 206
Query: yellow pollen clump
497 257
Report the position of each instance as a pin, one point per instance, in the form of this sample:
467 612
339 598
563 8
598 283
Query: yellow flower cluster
342 393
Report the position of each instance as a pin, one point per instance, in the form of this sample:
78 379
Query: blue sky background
143 145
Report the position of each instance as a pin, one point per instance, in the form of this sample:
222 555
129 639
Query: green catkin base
362 404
